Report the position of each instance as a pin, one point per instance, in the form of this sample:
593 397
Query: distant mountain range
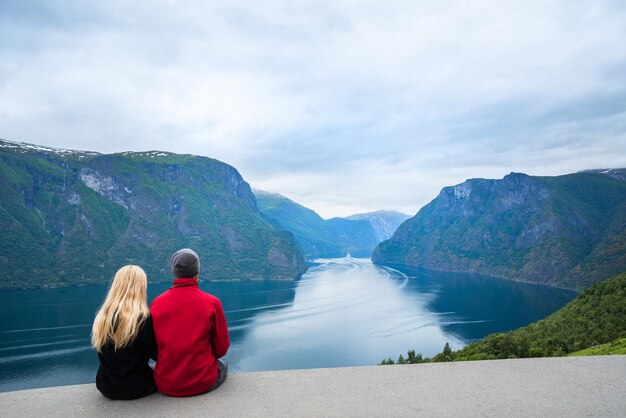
567 231
356 235
71 217
384 222
74 217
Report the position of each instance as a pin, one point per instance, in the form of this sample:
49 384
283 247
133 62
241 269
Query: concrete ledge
580 386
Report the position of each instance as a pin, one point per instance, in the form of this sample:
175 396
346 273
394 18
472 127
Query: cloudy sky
343 106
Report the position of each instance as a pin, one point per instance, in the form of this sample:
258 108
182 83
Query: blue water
342 312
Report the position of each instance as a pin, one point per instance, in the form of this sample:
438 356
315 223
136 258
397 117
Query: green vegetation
582 327
616 347
318 237
567 231
70 218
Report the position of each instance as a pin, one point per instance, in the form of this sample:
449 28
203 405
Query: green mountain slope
318 237
595 317
615 347
69 217
567 231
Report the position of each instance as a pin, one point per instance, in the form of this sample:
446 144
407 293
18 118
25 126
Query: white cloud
343 106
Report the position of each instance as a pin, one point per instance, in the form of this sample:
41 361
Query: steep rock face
566 231
384 222
71 217
318 237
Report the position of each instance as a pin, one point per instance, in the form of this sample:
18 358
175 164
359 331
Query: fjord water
342 312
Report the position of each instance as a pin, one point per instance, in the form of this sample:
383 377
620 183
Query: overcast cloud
343 106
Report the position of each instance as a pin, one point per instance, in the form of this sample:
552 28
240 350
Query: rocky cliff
71 217
567 231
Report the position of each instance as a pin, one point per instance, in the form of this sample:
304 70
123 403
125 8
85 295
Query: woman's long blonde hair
124 310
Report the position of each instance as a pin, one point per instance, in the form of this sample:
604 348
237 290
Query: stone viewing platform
549 387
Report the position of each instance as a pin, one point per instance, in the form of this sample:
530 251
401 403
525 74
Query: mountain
318 237
384 222
567 231
596 316
71 217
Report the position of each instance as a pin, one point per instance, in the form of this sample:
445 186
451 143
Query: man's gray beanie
185 263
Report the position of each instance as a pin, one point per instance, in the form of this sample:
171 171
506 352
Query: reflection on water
345 312
477 305
342 312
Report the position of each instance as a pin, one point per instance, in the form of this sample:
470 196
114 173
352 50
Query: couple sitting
184 327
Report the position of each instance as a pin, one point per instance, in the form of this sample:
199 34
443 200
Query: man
191 333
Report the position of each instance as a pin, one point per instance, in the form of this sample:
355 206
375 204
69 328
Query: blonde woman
123 336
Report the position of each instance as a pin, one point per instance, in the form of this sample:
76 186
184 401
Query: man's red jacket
191 334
